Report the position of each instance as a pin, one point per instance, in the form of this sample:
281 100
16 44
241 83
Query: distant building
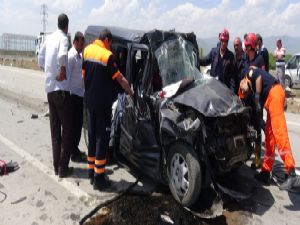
17 42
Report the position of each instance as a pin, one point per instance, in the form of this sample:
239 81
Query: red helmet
251 40
224 35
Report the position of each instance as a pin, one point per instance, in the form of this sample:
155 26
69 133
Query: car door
293 68
138 140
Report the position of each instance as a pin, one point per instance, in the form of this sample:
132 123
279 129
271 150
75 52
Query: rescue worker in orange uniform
101 74
270 94
253 59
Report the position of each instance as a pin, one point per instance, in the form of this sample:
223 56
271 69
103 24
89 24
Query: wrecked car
179 128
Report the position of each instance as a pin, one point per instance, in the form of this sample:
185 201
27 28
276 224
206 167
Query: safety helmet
224 35
251 40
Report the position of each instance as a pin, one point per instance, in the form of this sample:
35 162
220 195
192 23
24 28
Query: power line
44 15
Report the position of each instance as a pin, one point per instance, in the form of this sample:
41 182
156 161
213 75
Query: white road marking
287 122
66 184
293 123
27 72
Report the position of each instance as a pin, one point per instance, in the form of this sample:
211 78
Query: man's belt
280 63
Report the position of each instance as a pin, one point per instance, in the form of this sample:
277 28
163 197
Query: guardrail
19 61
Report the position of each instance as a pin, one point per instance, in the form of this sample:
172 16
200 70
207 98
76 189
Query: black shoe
264 177
101 184
80 152
289 182
92 180
65 173
79 158
56 171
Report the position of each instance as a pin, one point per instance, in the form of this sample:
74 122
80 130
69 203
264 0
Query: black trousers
98 133
61 128
77 118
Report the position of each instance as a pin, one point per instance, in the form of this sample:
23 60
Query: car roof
124 35
118 33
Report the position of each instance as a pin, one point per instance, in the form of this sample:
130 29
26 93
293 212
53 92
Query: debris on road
34 116
19 200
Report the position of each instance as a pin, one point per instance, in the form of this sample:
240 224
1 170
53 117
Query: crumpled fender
211 98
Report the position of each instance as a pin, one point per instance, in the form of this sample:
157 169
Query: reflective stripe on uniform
97 53
96 61
99 170
91 159
284 152
100 162
91 166
116 75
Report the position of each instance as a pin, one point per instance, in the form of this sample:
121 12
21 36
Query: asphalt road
34 195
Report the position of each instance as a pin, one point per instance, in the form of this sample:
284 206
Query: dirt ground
293 100
160 208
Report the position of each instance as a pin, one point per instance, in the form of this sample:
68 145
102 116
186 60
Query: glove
258 108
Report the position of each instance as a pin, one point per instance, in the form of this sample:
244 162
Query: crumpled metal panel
175 125
212 99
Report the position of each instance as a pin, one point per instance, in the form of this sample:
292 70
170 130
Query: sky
206 18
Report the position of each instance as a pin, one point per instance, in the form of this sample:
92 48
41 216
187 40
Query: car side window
297 61
121 57
294 62
139 60
156 81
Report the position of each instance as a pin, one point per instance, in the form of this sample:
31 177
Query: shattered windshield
177 61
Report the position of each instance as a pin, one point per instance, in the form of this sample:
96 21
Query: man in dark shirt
254 60
263 51
239 59
221 60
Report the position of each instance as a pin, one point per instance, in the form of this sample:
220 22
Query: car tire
287 81
183 163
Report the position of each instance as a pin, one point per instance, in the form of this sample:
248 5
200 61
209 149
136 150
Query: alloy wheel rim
179 174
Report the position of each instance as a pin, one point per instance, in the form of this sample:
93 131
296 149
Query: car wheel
184 174
287 81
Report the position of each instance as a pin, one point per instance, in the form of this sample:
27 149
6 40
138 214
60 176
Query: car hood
211 98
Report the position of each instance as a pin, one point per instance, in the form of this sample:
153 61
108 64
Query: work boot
264 177
91 176
101 183
290 181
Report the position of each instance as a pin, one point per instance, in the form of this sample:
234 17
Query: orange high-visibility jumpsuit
276 131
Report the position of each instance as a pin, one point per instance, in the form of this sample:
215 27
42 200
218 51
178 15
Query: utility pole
44 15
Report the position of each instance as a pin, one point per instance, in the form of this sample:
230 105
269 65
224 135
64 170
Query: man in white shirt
53 59
279 54
77 92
